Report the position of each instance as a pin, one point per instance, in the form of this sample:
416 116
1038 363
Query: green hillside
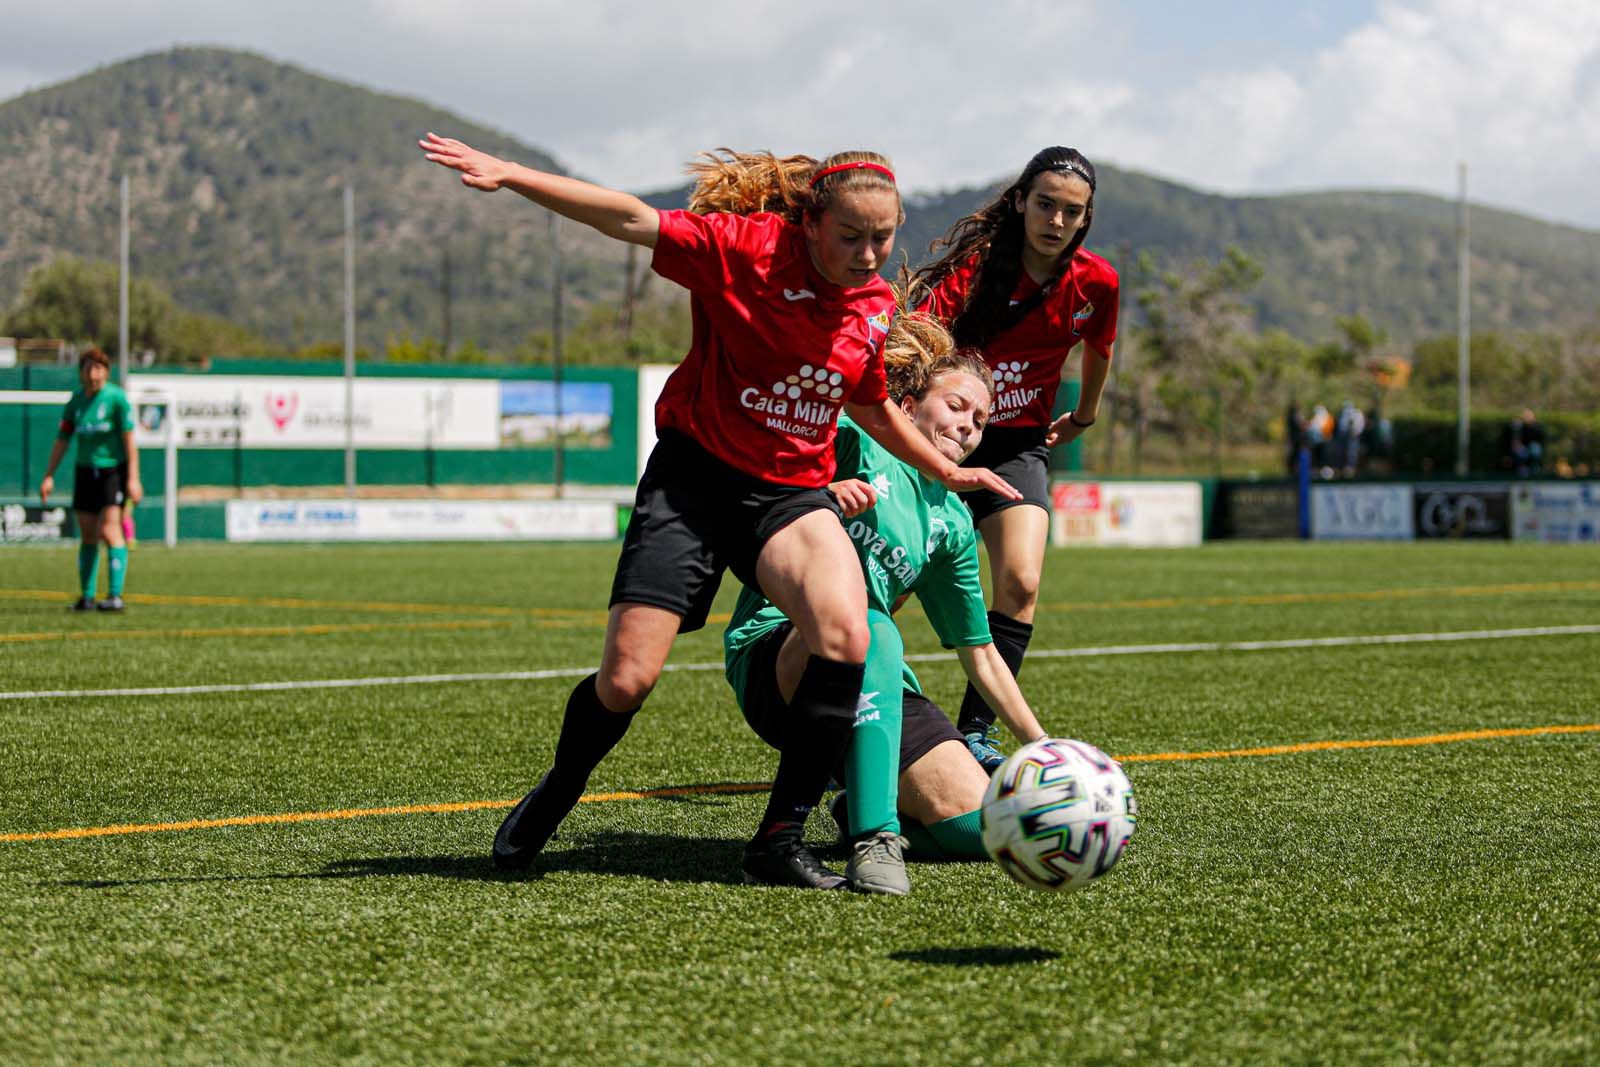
1388 256
237 164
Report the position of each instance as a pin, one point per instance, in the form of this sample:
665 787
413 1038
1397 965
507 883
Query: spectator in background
1347 438
1294 437
1319 432
1524 444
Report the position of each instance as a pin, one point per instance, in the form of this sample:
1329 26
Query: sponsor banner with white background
1136 514
1361 513
421 520
1555 512
279 411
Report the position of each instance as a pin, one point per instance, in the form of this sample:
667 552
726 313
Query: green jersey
918 538
98 423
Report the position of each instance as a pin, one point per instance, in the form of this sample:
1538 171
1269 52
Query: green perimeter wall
27 432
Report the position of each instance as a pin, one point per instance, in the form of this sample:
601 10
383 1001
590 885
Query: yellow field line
361 813
1382 742
757 787
596 617
311 629
585 614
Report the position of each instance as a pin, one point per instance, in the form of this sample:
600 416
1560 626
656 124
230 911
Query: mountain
237 164
1388 256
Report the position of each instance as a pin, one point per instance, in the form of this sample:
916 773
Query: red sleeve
1101 330
873 388
67 424
700 252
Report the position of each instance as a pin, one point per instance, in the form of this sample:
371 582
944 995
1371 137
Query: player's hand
854 496
46 487
135 490
1064 431
966 479
478 169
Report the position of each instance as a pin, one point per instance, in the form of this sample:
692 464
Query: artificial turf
1418 904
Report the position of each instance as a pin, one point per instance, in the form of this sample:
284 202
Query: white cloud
955 92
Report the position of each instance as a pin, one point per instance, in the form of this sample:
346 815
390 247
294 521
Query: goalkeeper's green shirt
918 538
97 424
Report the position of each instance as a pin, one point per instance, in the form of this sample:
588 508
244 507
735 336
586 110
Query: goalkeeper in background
105 479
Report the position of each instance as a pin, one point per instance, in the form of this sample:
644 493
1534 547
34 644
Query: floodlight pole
1463 331
559 473
349 342
122 295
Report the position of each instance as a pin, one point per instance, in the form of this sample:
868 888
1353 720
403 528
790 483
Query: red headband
859 164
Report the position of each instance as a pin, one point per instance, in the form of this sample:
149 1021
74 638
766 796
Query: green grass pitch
1426 903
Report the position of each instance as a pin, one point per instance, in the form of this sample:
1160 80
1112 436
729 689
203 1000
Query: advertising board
421 520
1135 514
1361 513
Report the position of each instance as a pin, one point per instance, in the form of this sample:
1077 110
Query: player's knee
625 685
1016 590
845 640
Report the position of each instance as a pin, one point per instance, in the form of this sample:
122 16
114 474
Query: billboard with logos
1135 514
1362 513
421 520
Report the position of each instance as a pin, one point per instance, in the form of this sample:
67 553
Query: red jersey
1026 359
776 351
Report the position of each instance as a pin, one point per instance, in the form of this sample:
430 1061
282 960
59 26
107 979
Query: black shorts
1018 455
923 724
97 488
694 517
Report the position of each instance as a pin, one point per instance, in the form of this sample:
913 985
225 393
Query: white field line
923 657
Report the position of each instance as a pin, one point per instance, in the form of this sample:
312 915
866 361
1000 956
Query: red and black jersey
1026 359
776 350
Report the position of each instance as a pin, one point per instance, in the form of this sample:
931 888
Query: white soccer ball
1057 814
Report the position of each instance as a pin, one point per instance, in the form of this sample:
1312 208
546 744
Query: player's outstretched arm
892 429
615 214
993 680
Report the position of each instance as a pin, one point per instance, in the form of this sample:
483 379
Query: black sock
589 730
823 710
1011 639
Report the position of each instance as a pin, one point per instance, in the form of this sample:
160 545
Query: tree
77 300
1197 345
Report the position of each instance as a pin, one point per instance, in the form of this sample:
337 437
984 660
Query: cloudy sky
1236 96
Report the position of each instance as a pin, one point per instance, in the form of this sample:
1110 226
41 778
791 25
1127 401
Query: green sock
960 838
118 555
88 569
872 763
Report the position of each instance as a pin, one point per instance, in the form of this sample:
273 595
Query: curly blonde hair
742 183
918 349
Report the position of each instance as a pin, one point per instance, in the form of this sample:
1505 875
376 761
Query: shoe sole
873 887
509 857
750 879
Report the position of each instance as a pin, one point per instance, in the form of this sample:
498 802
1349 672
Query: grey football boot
878 865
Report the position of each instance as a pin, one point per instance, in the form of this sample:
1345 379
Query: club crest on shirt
878 328
1081 316
880 484
937 531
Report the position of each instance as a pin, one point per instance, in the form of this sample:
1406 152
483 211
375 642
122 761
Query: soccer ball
1057 814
